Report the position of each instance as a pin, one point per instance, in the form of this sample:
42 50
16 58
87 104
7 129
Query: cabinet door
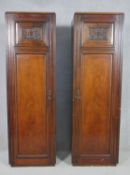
96 88
31 91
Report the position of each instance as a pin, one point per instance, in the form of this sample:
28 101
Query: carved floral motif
98 33
31 34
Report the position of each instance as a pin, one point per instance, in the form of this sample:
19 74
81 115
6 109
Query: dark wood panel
97 58
31 88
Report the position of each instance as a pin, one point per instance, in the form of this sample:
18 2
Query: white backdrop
64 13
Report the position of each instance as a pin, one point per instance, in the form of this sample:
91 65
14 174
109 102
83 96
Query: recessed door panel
96 72
31 108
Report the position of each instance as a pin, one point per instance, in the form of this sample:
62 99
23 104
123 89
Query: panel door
31 91
96 88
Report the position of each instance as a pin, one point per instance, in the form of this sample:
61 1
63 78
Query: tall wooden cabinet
31 88
97 64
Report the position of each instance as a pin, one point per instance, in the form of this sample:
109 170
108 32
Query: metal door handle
77 95
49 95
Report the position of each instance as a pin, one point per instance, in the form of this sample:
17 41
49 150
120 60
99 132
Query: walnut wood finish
97 60
31 88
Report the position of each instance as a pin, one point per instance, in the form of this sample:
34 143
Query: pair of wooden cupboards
97 64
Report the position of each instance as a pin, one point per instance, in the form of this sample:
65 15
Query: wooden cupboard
97 65
31 88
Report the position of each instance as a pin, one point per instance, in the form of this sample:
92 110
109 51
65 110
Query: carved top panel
31 33
97 35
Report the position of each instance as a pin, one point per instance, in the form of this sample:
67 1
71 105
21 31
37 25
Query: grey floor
64 167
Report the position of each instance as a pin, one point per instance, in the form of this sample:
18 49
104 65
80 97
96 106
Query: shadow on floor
64 156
